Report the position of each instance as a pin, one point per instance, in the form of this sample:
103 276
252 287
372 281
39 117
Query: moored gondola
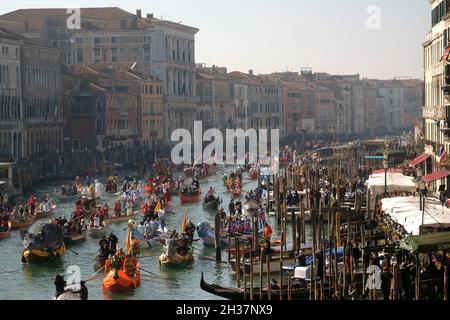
297 292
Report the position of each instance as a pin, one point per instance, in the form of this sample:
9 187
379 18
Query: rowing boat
122 282
190 197
21 224
121 218
98 232
211 204
251 205
74 238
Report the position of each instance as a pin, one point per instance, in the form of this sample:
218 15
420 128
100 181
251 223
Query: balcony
446 130
437 113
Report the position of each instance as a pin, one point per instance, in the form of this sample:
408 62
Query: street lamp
385 166
420 187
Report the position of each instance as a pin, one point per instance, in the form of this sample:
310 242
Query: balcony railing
437 112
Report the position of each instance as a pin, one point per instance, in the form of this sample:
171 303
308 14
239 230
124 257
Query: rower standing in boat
190 230
117 208
231 208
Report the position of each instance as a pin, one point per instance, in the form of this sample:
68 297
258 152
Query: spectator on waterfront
267 232
356 254
373 283
301 259
352 291
386 277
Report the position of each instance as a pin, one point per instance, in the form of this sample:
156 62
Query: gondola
6 233
211 204
299 293
122 282
43 242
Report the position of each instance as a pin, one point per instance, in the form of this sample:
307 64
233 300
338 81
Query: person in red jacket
32 204
117 208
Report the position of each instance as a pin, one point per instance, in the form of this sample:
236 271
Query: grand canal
35 281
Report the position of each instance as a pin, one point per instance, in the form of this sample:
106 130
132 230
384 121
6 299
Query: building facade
436 110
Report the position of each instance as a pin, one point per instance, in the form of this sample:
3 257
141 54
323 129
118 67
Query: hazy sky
278 35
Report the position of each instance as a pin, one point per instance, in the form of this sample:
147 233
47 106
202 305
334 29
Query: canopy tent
435 176
406 211
378 171
396 182
419 160
427 242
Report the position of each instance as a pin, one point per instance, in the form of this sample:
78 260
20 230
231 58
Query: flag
183 225
442 155
158 206
128 241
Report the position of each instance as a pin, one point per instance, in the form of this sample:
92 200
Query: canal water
35 281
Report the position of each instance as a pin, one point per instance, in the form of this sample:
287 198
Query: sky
375 38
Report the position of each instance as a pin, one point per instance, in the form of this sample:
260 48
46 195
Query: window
78 40
97 40
114 55
114 40
97 55
147 53
147 39
17 52
80 55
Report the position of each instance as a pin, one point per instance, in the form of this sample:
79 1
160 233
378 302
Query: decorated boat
98 232
148 241
5 233
172 257
119 281
43 242
45 209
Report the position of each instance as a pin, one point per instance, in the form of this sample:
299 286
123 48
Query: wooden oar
94 275
73 251
156 275
93 254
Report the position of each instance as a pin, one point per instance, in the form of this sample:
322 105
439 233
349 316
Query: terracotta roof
35 19
121 71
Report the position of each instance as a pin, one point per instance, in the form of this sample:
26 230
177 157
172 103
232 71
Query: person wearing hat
83 290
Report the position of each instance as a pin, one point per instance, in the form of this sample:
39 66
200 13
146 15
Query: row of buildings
115 87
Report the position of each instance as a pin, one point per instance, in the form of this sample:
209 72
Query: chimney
250 72
149 15
139 13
